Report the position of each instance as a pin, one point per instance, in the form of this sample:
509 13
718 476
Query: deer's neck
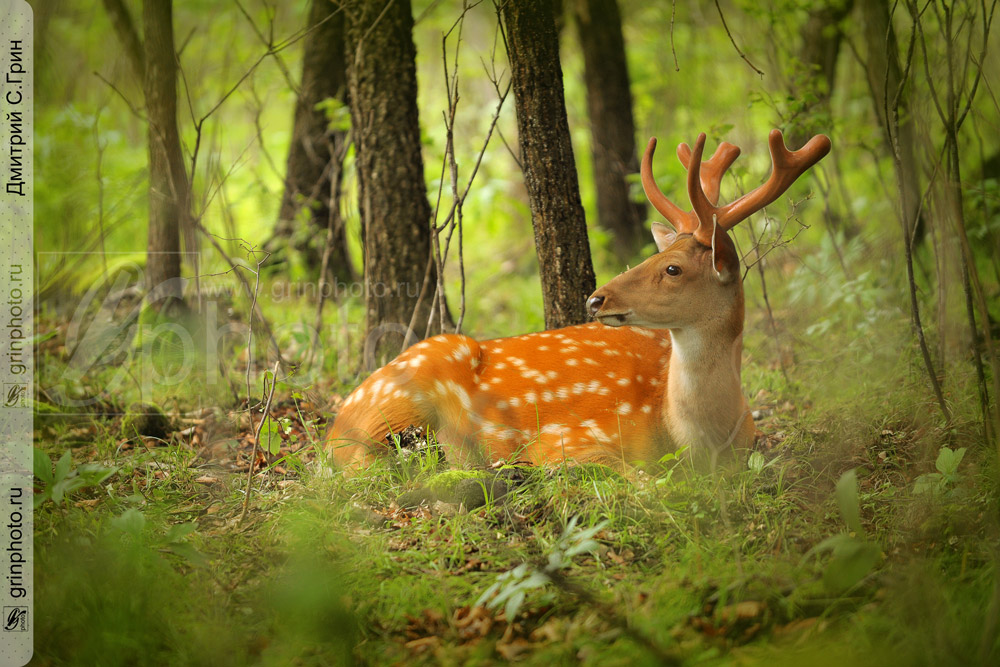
704 406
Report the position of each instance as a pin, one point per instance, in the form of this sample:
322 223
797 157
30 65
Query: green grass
153 564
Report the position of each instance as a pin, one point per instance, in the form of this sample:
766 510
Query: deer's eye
673 270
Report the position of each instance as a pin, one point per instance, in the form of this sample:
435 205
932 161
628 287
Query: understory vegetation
859 527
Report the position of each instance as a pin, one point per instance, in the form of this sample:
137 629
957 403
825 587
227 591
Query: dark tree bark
884 74
169 198
612 127
547 158
392 196
314 172
121 21
821 40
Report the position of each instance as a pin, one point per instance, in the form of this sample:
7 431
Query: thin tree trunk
314 172
124 27
392 197
169 196
547 159
884 74
612 127
821 40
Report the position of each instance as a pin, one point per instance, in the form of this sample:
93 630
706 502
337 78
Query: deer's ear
663 236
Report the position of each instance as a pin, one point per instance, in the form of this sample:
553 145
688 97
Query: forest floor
871 543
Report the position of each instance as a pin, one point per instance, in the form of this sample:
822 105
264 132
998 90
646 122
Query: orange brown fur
585 393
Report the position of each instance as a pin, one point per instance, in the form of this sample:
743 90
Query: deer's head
695 276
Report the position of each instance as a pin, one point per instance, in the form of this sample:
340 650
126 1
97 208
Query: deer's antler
706 219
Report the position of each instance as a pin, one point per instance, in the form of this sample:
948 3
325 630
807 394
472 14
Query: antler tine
712 169
683 221
702 205
787 166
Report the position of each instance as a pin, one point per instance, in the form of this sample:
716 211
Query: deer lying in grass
659 370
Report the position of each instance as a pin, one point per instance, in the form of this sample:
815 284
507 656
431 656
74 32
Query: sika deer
659 370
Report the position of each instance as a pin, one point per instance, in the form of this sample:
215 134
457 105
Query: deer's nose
594 303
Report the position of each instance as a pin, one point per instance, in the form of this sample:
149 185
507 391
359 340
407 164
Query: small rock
473 493
368 516
416 497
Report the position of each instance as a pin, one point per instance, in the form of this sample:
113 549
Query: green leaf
93 474
188 553
852 559
948 461
756 462
928 483
42 465
58 490
270 438
847 500
179 531
131 521
63 466
514 605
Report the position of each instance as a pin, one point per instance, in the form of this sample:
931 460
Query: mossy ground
157 563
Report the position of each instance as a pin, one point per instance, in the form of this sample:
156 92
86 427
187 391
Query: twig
673 49
135 111
100 188
733 41
256 438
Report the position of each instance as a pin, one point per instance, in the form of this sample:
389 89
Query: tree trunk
547 158
169 197
314 172
392 196
612 128
121 21
884 74
821 39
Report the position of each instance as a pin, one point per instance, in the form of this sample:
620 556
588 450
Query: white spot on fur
646 409
590 362
623 382
547 396
624 408
572 362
